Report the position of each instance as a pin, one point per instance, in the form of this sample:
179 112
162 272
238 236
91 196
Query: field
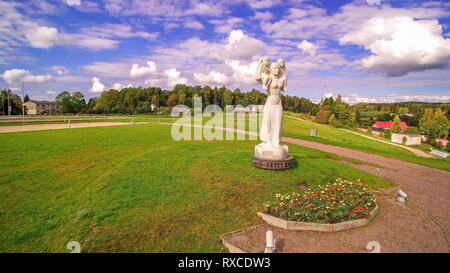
134 189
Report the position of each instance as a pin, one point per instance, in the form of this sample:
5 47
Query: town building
41 107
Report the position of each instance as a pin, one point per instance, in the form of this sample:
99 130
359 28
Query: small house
389 125
407 139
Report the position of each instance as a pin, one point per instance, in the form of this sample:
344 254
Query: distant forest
138 100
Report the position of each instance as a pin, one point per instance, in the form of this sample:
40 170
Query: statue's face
281 63
275 70
266 61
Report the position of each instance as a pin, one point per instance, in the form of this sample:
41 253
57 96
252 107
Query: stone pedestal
272 158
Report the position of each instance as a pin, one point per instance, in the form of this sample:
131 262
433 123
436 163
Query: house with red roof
389 125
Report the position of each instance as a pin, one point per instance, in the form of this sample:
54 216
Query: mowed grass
133 189
333 136
329 135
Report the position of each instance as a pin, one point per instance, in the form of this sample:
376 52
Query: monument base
271 158
269 164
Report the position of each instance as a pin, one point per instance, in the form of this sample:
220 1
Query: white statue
273 77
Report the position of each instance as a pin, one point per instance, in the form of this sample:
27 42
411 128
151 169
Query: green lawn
329 135
134 189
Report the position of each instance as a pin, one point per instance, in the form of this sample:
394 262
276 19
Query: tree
434 124
15 102
333 121
384 117
63 99
74 103
172 100
109 102
26 98
323 117
396 127
403 110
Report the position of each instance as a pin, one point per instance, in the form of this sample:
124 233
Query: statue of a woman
273 78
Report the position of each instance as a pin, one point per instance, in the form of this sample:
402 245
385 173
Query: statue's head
274 69
265 60
281 63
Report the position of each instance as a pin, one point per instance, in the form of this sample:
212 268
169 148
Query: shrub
404 140
323 117
387 134
331 203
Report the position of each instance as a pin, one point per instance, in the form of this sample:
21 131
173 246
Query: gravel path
427 188
38 127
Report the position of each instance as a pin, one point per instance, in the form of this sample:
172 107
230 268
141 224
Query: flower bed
328 204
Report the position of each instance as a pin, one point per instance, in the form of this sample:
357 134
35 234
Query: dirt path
426 187
38 127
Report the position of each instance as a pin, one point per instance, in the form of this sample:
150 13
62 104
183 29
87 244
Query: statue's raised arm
282 65
262 71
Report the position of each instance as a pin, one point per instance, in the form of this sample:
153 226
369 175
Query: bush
387 134
323 117
412 130
404 140
331 203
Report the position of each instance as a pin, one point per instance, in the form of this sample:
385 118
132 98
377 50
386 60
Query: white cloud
205 8
311 21
117 31
139 71
308 48
173 77
242 47
59 70
262 15
42 37
226 25
193 25
213 78
14 76
17 76
97 85
355 98
242 73
166 8
119 86
401 45
108 69
88 42
262 4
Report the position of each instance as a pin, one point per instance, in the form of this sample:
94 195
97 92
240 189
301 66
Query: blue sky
364 50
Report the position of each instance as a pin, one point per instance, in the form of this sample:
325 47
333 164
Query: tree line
139 100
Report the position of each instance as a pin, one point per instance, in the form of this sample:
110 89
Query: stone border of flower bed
295 225
231 247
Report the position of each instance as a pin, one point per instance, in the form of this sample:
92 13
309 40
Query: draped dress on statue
271 124
273 113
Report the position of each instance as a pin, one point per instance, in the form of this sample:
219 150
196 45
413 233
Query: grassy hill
333 136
